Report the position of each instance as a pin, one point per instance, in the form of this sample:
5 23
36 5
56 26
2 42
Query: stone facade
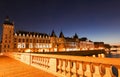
24 41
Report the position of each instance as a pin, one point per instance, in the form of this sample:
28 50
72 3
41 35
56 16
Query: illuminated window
40 45
19 45
30 45
23 45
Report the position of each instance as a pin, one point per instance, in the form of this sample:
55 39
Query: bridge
70 66
13 68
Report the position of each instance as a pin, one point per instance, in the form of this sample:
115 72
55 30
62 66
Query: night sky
98 20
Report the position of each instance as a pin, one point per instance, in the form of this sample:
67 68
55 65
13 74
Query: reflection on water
114 54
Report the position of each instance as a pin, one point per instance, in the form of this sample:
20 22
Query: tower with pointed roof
7 35
61 42
54 41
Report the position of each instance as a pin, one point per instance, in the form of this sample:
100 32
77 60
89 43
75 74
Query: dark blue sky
99 20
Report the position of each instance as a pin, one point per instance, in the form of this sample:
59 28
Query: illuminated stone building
24 41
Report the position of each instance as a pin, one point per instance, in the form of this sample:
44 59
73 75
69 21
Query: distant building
115 48
99 45
24 41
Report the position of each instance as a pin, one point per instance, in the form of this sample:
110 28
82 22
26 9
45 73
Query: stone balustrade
71 66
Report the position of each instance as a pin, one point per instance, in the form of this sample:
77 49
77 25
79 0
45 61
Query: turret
61 35
7 35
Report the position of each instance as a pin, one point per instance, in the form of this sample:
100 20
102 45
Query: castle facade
24 41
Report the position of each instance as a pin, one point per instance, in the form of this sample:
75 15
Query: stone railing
71 66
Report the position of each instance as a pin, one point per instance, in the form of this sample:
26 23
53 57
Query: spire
7 21
53 34
61 35
75 36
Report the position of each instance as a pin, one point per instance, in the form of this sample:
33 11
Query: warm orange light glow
27 50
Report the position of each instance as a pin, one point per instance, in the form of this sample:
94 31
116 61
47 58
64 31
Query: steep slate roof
61 35
53 34
31 33
7 21
75 36
68 39
83 39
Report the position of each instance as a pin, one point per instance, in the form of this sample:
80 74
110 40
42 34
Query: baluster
108 71
37 60
40 61
80 69
68 69
97 71
59 65
88 72
32 58
73 70
43 62
63 67
47 62
118 71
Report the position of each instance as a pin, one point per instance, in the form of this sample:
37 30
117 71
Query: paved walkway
13 68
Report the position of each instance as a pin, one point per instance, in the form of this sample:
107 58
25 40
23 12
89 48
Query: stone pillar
53 65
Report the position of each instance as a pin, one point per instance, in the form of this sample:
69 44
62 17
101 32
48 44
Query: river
114 54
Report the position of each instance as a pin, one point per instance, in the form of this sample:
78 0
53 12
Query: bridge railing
71 66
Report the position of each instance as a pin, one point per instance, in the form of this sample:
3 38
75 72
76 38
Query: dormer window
15 34
19 34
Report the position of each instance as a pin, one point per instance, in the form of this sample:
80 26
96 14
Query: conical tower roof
75 36
53 34
61 35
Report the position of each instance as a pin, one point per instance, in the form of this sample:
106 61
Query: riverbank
113 54
76 53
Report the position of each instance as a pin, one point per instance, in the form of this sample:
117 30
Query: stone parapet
71 66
